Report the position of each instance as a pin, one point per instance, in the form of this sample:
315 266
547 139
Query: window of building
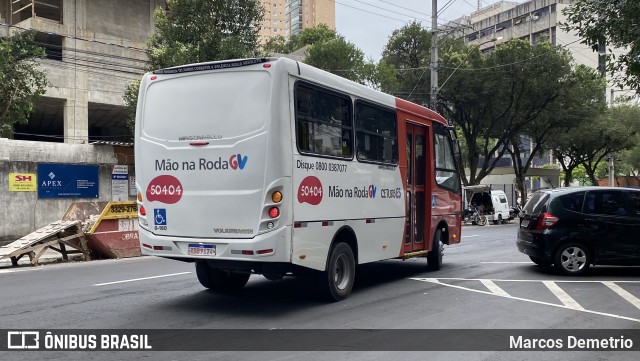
376 134
503 25
520 20
46 9
323 121
51 43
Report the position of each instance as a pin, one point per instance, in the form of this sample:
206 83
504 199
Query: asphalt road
485 283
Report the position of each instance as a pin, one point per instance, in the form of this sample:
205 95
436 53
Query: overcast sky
357 21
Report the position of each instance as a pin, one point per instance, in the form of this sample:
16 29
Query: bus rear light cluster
157 248
140 206
271 211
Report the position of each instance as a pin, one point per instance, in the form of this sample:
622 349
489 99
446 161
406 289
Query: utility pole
612 176
434 53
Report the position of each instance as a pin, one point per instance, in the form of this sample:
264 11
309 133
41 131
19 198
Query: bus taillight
143 211
276 197
274 212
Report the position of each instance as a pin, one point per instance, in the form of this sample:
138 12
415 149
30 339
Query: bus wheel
434 258
218 280
337 281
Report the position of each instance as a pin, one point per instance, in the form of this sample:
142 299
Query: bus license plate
201 249
525 223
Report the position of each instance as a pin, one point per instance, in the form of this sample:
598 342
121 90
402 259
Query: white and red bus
272 166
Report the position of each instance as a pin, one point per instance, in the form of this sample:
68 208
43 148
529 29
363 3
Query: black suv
573 228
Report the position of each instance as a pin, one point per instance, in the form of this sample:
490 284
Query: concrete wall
22 212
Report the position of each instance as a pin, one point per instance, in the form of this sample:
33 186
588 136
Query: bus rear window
218 105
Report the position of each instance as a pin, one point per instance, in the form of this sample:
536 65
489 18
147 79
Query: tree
409 51
339 57
325 49
562 126
308 36
612 24
493 98
21 82
192 31
615 132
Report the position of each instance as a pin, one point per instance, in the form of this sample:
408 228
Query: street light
435 88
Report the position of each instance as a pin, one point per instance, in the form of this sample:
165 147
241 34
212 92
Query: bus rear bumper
268 247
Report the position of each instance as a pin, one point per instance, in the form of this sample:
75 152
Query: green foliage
337 56
21 82
329 51
579 114
307 37
409 51
494 98
614 24
614 132
192 31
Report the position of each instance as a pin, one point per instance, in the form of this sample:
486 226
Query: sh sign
22 182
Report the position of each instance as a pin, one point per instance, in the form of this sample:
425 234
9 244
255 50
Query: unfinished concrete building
94 49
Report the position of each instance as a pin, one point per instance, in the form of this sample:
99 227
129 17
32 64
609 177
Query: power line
79 38
391 11
402 7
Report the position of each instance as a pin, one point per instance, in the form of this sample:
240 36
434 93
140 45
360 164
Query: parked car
574 228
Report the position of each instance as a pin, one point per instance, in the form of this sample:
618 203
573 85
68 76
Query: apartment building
534 21
290 17
94 49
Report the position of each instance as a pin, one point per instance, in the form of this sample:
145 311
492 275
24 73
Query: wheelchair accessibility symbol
160 217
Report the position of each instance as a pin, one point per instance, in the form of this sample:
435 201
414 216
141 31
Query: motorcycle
473 216
514 211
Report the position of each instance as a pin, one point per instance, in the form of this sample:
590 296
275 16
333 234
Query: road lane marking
562 295
504 280
437 281
501 262
494 288
19 270
623 293
141 279
473 235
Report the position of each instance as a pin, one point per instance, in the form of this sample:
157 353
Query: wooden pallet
56 236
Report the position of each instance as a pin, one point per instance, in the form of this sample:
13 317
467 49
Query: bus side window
323 121
376 134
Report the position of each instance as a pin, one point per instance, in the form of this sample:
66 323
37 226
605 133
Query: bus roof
321 75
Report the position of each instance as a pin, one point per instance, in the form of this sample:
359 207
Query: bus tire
216 279
336 283
434 258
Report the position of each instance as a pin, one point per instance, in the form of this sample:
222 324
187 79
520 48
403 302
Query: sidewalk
50 256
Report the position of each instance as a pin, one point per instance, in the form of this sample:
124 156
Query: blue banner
67 181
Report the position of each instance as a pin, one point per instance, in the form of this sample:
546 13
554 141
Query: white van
491 203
